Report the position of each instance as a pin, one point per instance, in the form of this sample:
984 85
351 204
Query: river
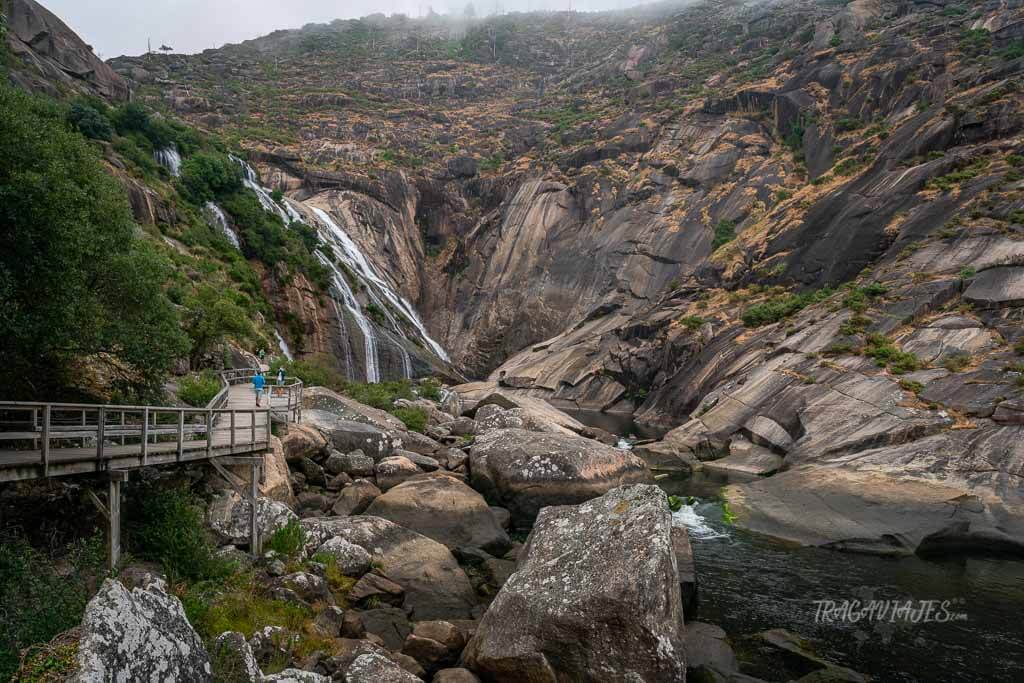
748 583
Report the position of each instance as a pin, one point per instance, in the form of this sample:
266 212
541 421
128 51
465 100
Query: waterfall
251 180
353 307
216 218
348 251
283 345
380 293
169 158
346 347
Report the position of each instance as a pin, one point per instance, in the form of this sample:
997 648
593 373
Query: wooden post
268 425
117 477
145 434
209 433
181 433
232 431
254 520
45 444
252 426
101 426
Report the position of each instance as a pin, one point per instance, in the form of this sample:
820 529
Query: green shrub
957 361
725 232
1019 348
692 322
90 122
69 241
912 386
430 389
415 419
198 389
166 525
36 600
780 307
288 540
950 180
208 175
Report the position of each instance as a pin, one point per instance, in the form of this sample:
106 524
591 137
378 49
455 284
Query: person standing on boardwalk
280 376
258 382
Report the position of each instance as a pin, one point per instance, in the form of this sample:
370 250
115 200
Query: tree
207 175
166 48
90 122
211 317
79 288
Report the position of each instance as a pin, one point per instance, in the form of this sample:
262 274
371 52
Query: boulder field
419 579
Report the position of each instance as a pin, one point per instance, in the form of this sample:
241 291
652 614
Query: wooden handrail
63 434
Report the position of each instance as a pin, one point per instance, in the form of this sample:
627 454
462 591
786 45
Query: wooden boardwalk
60 439
39 440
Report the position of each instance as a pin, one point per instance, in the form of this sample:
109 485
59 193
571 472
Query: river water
748 583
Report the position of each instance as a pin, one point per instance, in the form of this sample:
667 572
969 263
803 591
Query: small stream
748 583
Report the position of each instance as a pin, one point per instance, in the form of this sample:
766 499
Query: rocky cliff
806 213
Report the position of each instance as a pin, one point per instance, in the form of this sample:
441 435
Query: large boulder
355 498
139 635
275 483
302 441
525 471
595 598
435 585
374 668
394 470
351 559
443 508
348 435
228 516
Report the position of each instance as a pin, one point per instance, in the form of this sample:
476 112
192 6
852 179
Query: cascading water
169 158
353 307
349 252
216 218
283 345
251 180
385 300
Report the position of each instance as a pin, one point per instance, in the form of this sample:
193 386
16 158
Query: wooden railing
52 439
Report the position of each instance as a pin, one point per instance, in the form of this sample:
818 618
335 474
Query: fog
117 27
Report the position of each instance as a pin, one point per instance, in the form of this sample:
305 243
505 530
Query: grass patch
725 232
414 419
781 307
887 355
947 182
912 386
692 322
288 540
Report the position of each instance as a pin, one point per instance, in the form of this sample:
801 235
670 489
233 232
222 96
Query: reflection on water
748 583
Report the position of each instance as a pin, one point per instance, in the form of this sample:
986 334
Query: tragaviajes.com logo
891 611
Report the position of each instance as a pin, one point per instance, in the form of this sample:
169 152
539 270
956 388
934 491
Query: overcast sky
119 27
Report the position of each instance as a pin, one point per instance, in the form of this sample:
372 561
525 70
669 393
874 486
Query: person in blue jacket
258 382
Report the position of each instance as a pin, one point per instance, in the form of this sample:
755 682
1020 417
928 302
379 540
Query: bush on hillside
205 176
75 280
198 389
90 122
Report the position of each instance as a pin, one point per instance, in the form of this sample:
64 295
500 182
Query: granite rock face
525 471
613 612
139 635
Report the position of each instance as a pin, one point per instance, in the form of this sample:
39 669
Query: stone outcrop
228 516
613 612
435 586
443 508
38 38
525 471
141 634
